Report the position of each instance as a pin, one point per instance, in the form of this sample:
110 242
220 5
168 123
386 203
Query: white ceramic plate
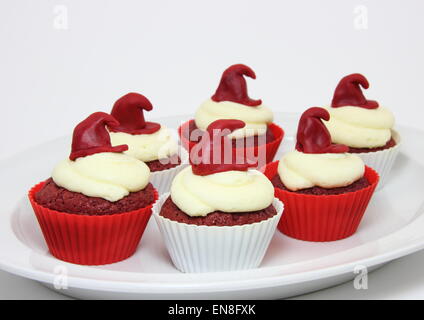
392 227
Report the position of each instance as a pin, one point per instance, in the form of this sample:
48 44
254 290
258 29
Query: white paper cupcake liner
213 248
382 161
162 180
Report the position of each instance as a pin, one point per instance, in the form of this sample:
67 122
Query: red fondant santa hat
90 136
215 150
128 110
233 87
313 136
348 93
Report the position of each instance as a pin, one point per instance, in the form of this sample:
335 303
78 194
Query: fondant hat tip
215 150
128 110
233 86
313 136
91 136
348 93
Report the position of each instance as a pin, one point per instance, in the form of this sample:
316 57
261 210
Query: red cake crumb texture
318 191
217 218
53 197
391 143
164 164
247 142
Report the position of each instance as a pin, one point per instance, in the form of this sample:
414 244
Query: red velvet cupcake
95 207
365 126
149 142
259 140
219 216
325 189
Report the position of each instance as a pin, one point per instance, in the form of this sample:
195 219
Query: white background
174 52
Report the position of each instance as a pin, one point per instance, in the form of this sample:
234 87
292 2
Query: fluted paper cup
162 180
322 218
89 239
268 150
382 161
195 249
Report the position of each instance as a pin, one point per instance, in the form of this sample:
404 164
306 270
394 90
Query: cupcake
149 142
95 207
220 215
258 140
325 189
363 125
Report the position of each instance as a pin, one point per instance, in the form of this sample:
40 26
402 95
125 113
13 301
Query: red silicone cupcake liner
90 240
269 149
323 218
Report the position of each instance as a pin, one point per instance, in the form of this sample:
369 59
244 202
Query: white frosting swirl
230 191
359 127
298 170
107 175
256 118
147 147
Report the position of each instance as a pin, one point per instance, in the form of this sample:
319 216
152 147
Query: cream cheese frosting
256 118
298 170
359 127
229 191
107 175
147 147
